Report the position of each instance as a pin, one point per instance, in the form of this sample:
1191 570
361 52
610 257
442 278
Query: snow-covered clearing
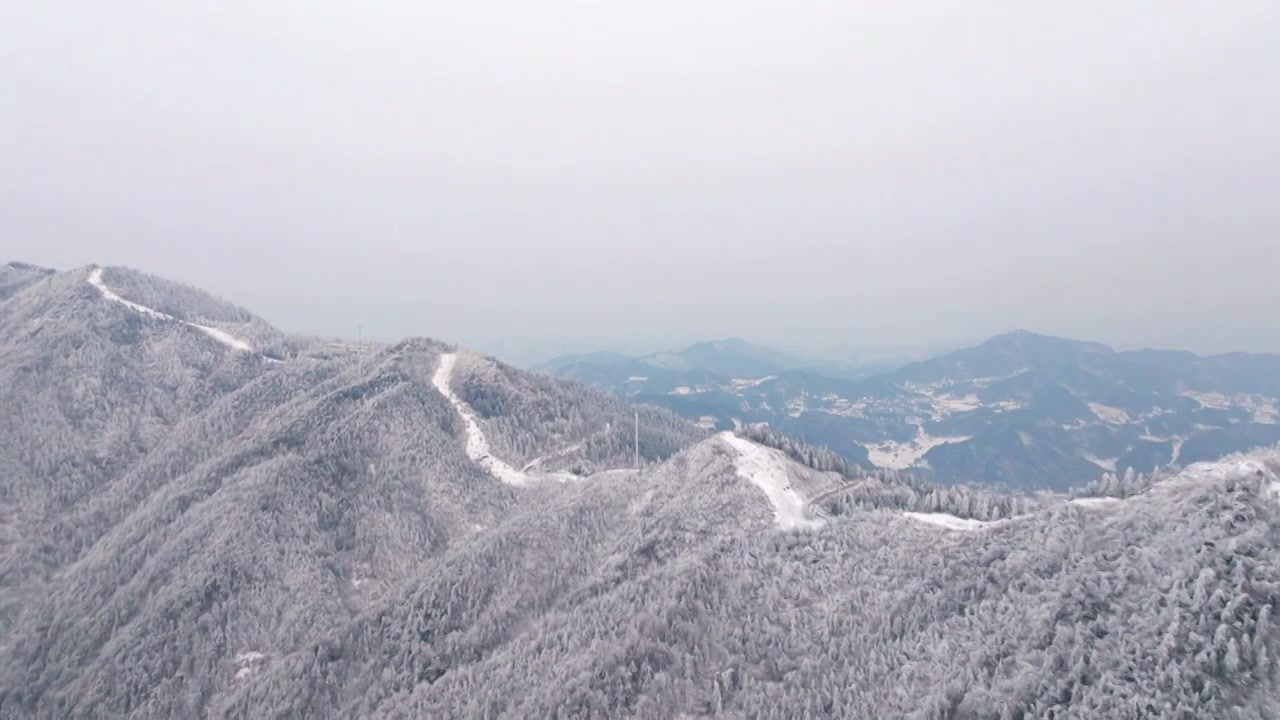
744 383
1108 414
1104 463
796 406
477 444
767 469
950 405
947 404
951 522
1007 406
900 456
1209 400
231 341
682 390
987 381
1263 408
1094 502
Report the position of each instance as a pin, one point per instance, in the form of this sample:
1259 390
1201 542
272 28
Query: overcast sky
798 173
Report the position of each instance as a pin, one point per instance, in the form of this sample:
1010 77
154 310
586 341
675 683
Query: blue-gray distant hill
1020 409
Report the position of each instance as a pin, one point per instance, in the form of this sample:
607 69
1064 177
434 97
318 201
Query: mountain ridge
192 529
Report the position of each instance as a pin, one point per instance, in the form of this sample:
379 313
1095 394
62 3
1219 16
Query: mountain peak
16 276
1028 338
28 267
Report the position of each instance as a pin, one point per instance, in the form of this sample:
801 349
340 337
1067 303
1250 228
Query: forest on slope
192 529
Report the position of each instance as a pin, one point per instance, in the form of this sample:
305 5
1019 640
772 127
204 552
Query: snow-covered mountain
1021 409
203 516
15 276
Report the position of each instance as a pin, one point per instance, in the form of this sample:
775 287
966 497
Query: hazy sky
797 173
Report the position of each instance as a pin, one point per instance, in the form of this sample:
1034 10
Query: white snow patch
1108 414
900 456
743 383
682 390
231 341
225 338
1104 463
767 469
951 522
477 445
944 405
637 378
1267 414
248 662
1209 400
1263 408
842 407
986 381
706 422
1094 502
1007 405
796 406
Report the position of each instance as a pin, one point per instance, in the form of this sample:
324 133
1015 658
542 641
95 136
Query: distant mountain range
731 357
1020 409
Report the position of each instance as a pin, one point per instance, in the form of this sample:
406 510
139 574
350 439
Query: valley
1021 409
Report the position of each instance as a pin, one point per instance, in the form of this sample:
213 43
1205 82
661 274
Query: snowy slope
477 445
1232 468
768 469
231 341
1094 502
951 522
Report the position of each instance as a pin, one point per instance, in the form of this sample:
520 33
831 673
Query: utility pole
360 346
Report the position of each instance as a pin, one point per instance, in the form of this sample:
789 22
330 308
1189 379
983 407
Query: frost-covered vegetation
191 531
197 307
568 424
16 276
